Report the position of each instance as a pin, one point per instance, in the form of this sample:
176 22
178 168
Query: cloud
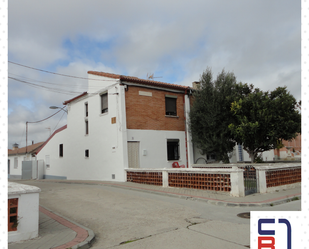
176 40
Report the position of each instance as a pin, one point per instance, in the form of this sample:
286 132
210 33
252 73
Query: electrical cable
57 90
45 71
44 118
58 122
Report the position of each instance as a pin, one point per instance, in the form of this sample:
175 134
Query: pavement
56 231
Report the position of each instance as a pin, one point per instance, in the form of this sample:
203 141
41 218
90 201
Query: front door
133 154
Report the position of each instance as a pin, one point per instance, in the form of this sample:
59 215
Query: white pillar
261 181
165 178
237 182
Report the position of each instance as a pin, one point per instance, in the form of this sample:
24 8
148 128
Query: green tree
210 113
264 119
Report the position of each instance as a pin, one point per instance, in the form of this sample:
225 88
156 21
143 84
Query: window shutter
170 104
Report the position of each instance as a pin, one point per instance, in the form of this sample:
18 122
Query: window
170 105
104 103
12 214
86 153
60 150
86 109
173 149
86 127
15 162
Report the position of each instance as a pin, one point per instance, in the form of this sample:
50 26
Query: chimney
32 142
196 85
15 146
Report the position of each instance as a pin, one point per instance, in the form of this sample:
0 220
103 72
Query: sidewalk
58 232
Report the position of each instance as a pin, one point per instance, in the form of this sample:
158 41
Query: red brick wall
283 177
148 113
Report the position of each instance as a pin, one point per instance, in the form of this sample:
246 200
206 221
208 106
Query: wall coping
188 170
17 188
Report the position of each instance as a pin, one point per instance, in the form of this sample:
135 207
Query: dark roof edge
70 100
55 132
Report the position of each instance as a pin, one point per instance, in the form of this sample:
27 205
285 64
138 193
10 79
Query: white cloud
259 41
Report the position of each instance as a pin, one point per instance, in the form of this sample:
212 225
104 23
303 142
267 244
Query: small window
12 214
86 127
86 109
104 103
86 153
15 162
173 149
170 106
60 150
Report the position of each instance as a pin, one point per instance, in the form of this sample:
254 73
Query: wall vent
113 176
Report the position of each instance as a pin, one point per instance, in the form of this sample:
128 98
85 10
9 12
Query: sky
259 41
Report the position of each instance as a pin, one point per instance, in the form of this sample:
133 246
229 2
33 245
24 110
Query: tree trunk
252 156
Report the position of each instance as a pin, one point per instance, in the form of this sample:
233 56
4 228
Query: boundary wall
222 177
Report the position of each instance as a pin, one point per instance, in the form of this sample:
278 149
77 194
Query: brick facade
148 112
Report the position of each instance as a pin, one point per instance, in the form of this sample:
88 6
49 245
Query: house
17 155
120 122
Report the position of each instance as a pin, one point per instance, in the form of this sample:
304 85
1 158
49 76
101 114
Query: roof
70 100
55 132
30 149
140 81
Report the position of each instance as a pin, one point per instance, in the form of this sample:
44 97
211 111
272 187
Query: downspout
186 142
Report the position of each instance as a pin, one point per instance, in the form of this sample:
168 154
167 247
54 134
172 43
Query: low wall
270 177
227 180
23 212
278 176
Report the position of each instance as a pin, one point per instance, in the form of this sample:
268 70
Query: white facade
15 164
107 140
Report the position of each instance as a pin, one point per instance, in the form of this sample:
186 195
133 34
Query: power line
45 71
57 90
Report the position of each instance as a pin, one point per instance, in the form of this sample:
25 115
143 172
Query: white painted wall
105 141
28 211
155 144
15 173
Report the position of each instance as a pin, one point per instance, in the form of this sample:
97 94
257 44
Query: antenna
151 77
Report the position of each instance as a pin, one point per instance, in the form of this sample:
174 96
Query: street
123 218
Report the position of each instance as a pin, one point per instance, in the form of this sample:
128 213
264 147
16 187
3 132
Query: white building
18 155
120 122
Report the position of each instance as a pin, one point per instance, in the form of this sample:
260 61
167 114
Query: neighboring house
121 122
290 151
17 155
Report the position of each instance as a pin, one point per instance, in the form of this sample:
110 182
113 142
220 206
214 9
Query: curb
196 198
207 200
87 243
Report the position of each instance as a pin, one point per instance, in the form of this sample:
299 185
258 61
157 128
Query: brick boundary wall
152 178
222 180
282 177
215 182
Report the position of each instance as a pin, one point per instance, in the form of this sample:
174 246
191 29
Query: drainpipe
186 142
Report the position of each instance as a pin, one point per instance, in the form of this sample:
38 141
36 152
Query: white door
133 154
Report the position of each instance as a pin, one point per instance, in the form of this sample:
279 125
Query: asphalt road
123 218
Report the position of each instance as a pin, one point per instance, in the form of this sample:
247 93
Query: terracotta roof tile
139 81
70 100
30 149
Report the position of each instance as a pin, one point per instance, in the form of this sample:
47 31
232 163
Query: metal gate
26 170
250 182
